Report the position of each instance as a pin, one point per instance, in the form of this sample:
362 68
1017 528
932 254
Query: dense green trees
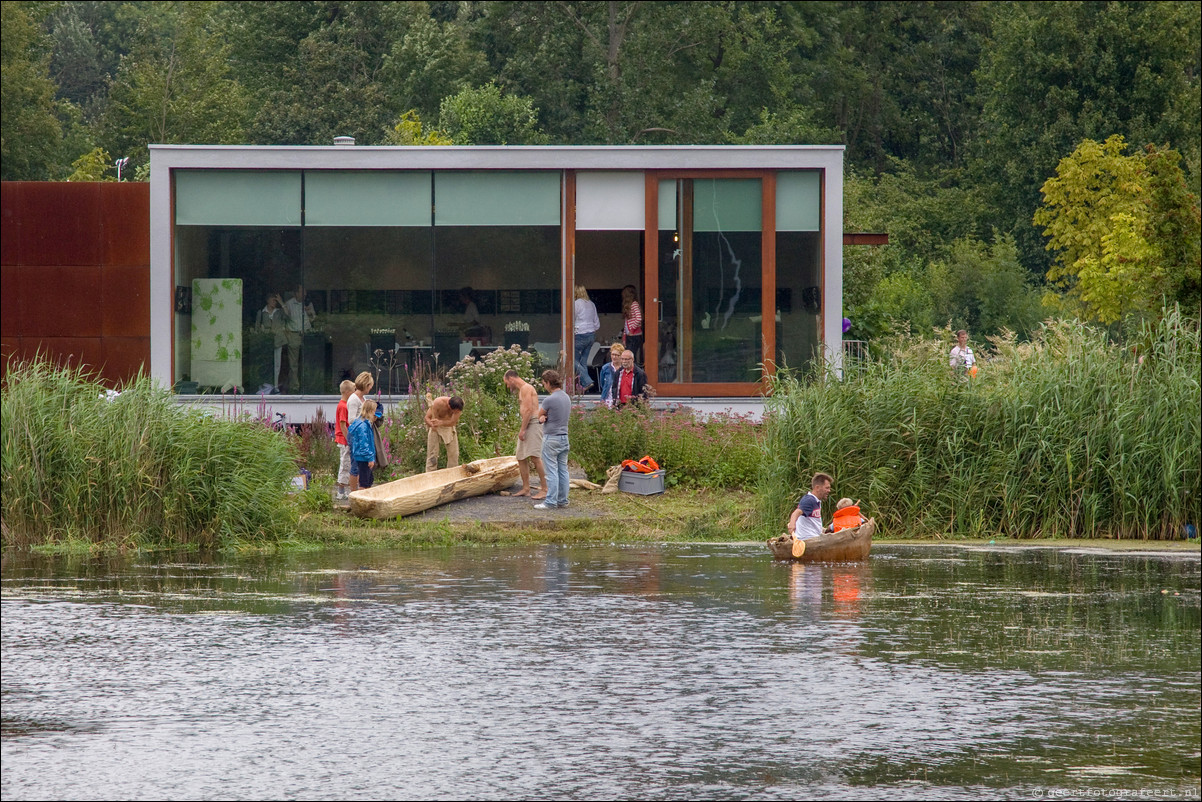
1124 228
954 114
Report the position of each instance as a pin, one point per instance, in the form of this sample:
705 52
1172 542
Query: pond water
675 671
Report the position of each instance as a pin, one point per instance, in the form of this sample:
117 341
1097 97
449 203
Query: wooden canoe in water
849 545
419 492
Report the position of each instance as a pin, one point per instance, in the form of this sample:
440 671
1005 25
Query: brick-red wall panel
76 274
12 211
125 304
62 301
125 225
123 357
12 313
61 226
66 350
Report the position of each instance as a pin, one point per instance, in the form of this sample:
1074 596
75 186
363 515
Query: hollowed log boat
849 545
422 491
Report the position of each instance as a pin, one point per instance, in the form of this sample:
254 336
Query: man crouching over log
442 417
530 435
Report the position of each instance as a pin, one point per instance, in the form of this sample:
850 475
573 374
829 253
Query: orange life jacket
846 518
644 465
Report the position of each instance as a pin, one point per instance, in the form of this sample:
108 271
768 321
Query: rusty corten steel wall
75 268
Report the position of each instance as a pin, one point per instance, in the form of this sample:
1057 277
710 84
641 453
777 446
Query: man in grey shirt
554 412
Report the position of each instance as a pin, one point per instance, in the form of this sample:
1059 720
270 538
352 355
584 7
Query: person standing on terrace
585 324
632 322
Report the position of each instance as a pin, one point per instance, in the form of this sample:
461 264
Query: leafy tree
897 79
1058 73
1124 228
985 288
30 131
637 72
431 61
409 131
92 166
317 70
175 87
484 116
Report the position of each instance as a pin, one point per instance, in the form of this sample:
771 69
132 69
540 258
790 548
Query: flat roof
502 157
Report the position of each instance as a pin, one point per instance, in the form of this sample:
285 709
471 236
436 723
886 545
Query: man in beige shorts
442 417
530 435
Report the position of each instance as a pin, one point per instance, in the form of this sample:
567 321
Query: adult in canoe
806 520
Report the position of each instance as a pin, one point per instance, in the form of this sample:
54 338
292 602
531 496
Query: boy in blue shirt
363 443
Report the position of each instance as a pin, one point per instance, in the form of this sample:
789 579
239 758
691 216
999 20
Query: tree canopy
954 114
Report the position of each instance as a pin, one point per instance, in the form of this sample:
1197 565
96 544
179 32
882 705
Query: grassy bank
683 515
133 470
1068 436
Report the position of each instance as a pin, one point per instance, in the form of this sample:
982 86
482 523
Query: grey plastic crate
642 484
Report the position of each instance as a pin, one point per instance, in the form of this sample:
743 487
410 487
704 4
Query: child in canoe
847 516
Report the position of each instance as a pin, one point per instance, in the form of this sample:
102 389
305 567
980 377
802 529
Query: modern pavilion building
431 253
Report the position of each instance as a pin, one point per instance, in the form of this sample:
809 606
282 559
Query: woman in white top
584 324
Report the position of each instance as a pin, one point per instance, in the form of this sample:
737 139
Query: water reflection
674 671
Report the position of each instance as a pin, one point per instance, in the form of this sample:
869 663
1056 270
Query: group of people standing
586 324
542 436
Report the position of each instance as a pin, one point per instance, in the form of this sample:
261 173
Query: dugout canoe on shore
849 545
420 492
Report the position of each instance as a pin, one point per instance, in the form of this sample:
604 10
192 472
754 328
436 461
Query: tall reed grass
1068 435
137 469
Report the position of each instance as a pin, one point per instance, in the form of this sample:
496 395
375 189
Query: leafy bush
718 451
315 444
135 468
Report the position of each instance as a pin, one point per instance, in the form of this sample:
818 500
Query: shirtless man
442 417
530 436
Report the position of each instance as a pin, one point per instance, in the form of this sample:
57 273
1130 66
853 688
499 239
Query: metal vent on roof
344 140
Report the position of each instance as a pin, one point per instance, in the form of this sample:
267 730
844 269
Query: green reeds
1066 436
137 469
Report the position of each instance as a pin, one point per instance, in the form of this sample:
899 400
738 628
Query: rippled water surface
669 672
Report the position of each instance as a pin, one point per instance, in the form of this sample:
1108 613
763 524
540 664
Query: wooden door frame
651 286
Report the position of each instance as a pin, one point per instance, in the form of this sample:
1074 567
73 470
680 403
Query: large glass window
798 263
291 282
237 239
498 255
710 280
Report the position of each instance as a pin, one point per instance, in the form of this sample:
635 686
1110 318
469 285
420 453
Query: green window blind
727 204
798 197
497 198
237 198
367 198
667 205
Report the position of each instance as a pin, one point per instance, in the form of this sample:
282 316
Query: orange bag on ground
644 465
